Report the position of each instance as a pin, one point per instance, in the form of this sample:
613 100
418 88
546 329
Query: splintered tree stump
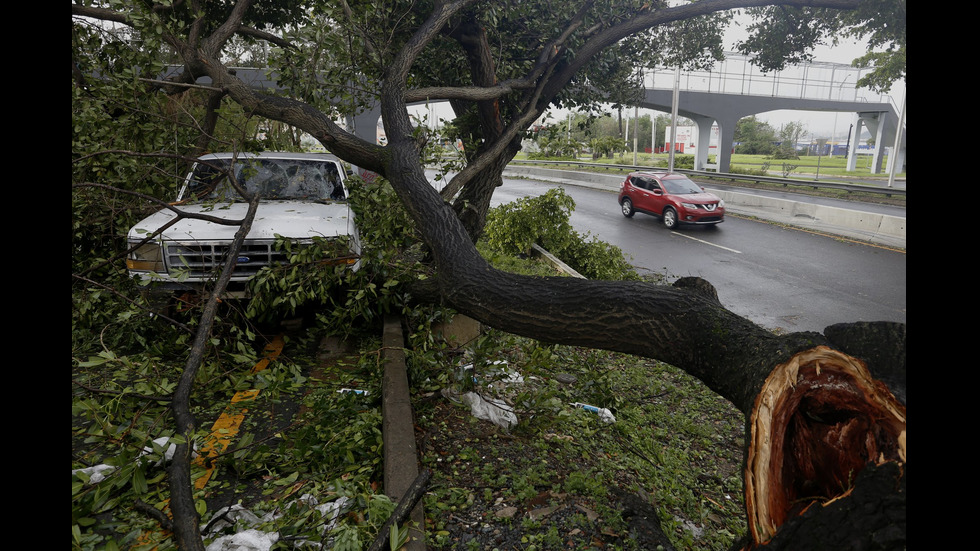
818 422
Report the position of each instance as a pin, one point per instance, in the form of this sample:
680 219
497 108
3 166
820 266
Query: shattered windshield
312 180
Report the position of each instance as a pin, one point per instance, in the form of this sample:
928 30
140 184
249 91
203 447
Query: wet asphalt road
779 278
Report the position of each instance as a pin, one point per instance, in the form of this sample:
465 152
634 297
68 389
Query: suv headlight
148 257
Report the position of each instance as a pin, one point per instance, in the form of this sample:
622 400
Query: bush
748 171
596 259
512 229
684 161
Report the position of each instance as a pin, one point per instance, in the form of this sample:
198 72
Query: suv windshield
270 178
681 186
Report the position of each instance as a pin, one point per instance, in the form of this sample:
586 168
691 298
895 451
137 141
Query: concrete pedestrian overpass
735 89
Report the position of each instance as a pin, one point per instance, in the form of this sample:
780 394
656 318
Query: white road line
706 242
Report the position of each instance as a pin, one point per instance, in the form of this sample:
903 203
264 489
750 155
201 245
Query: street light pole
673 118
636 130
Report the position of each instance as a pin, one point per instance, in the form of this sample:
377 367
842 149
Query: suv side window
646 182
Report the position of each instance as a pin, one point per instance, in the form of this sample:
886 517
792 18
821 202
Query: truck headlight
148 257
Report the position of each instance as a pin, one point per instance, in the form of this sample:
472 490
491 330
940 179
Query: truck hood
295 219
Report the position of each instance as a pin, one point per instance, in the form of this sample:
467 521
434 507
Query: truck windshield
271 178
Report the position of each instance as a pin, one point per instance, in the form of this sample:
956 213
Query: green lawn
829 166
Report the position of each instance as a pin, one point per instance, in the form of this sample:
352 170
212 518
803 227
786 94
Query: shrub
684 161
512 229
748 171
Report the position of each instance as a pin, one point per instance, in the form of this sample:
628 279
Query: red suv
672 197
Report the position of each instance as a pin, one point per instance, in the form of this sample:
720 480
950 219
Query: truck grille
204 260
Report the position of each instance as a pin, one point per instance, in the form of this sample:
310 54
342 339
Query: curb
401 463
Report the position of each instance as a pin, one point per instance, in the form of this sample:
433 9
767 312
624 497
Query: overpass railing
785 182
736 74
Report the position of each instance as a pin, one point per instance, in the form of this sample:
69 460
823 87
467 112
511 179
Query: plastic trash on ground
246 540
95 473
493 410
251 539
604 414
98 473
496 372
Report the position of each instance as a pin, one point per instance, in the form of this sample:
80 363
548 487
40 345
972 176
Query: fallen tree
826 459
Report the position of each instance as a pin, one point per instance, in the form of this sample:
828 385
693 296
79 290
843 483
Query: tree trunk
473 202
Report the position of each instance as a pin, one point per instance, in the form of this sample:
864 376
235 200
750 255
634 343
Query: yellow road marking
224 429
226 426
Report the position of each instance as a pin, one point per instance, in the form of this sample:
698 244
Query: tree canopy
501 65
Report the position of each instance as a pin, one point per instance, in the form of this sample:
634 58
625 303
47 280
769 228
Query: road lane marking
227 424
706 242
224 429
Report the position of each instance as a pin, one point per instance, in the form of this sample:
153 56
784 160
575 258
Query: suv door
641 195
658 197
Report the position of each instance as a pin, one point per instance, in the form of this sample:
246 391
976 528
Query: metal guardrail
815 184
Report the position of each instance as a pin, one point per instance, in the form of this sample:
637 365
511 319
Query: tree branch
216 40
186 521
264 35
471 93
163 204
101 14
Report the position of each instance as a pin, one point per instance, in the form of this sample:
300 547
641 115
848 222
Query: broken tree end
818 421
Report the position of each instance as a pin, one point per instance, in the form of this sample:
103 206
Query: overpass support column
879 143
875 122
365 124
726 141
703 142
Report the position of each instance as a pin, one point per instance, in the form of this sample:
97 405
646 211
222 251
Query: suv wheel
628 208
670 218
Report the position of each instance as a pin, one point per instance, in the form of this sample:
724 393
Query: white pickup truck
303 196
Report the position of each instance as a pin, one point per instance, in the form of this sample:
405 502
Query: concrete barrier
876 228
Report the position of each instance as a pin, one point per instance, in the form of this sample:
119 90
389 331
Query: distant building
687 140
